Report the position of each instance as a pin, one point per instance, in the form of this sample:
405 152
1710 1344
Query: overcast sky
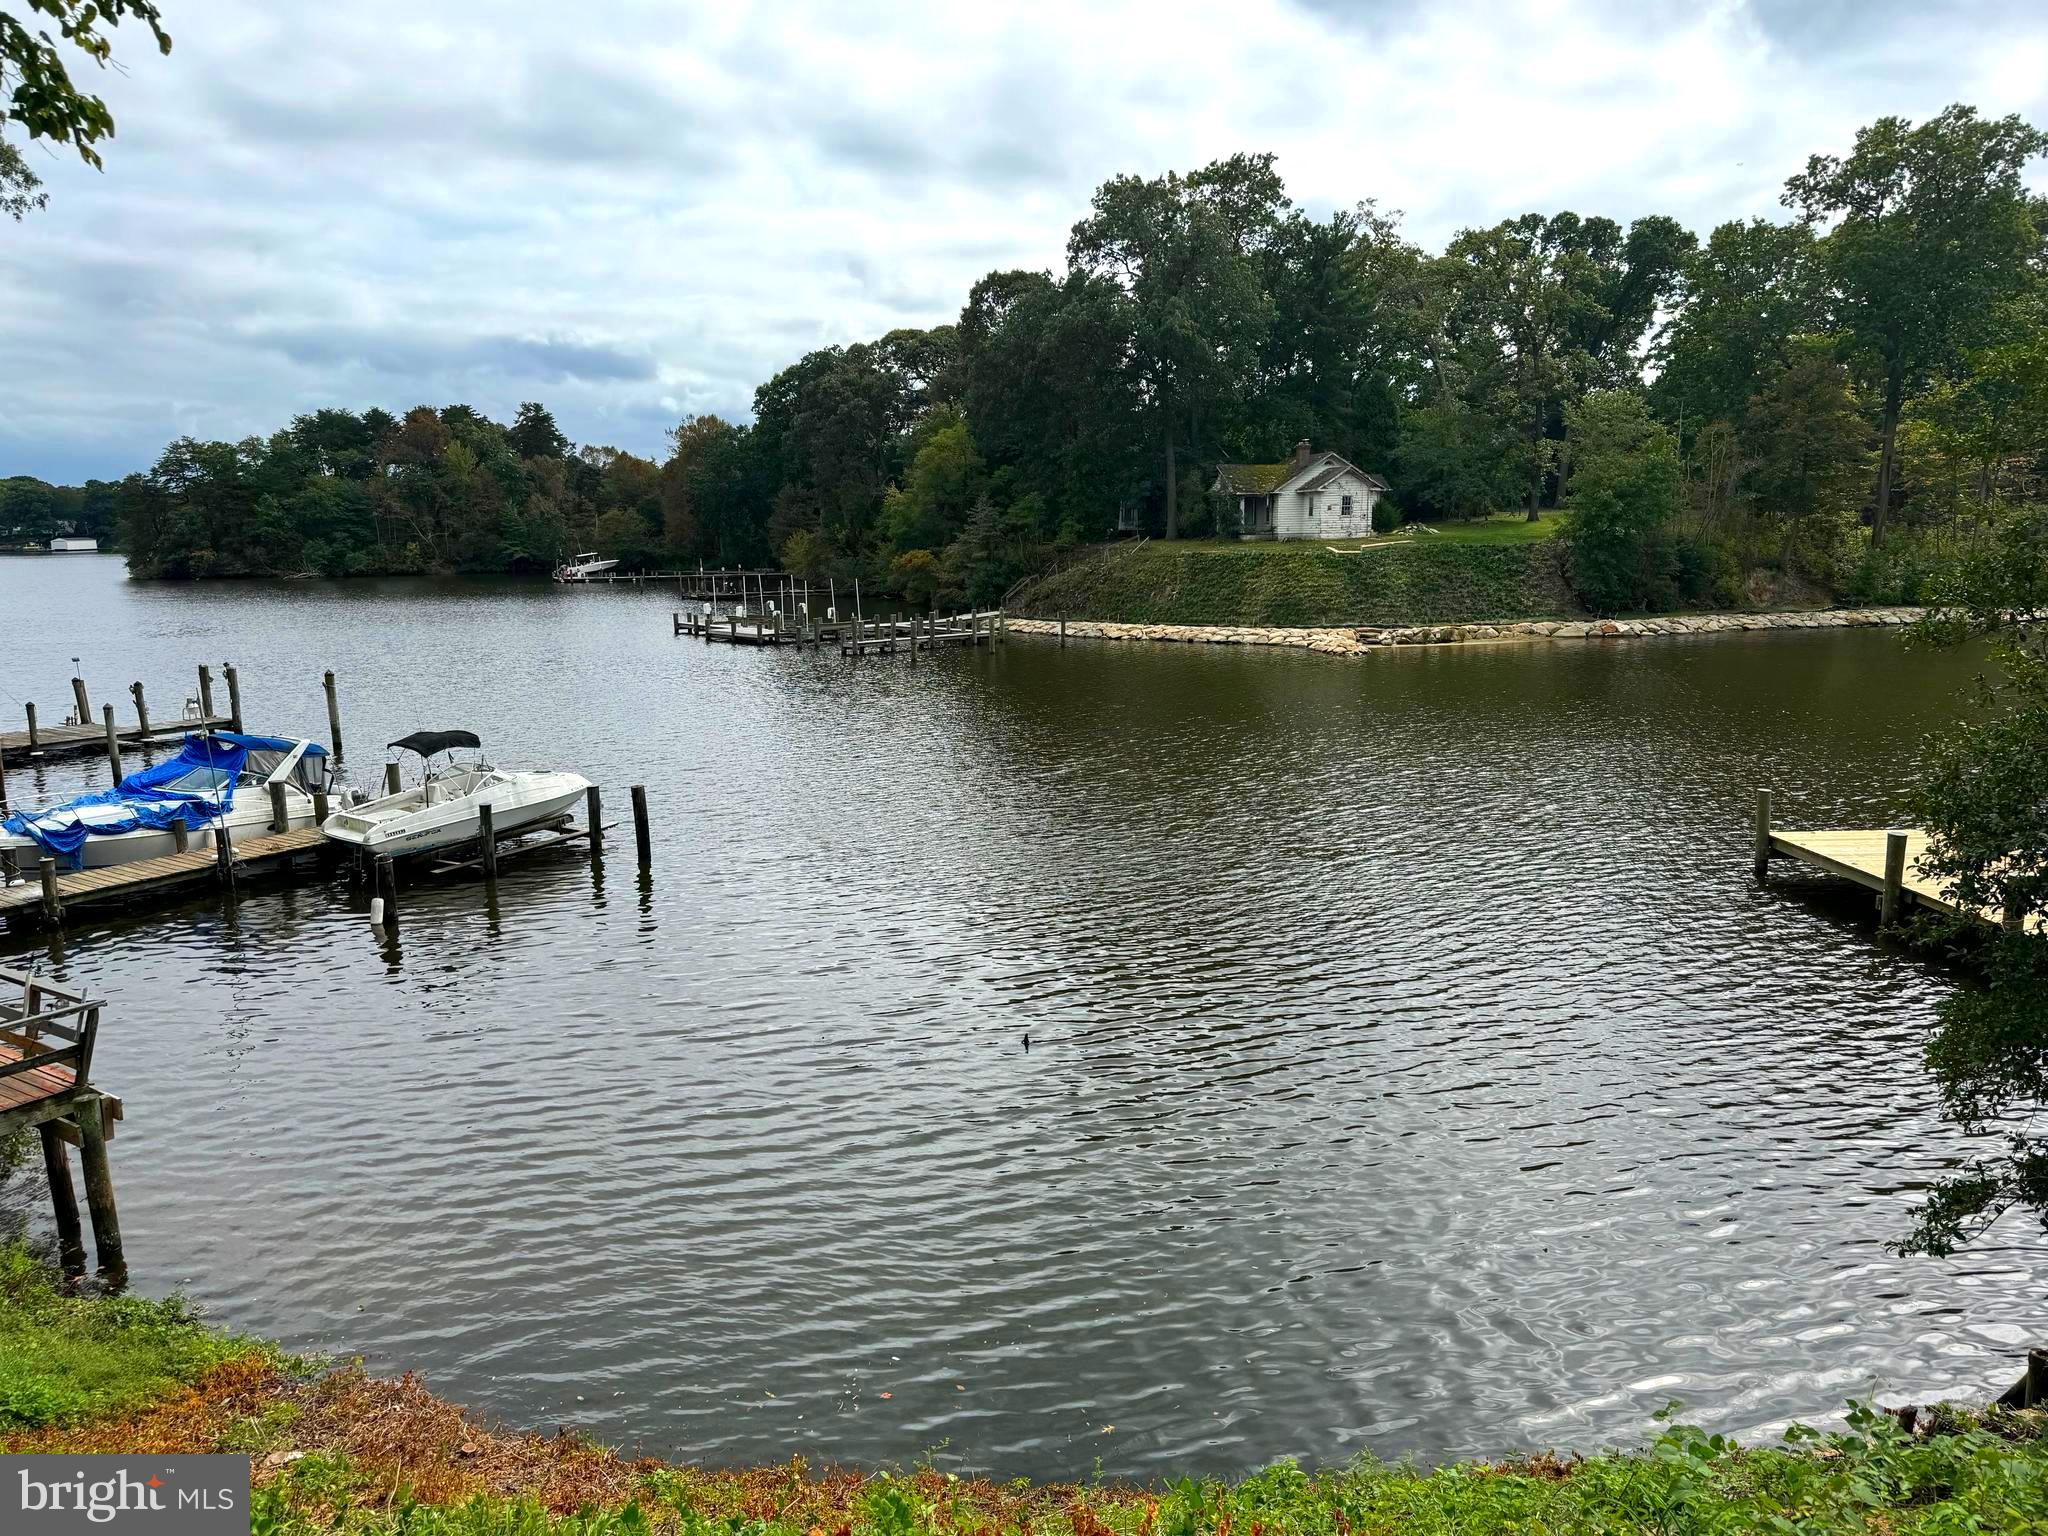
639 210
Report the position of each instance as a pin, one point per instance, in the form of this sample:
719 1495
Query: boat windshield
261 764
196 780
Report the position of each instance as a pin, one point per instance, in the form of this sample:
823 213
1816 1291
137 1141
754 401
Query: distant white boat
74 546
442 810
583 567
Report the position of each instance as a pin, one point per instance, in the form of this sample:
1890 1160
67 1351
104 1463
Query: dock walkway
1883 859
59 893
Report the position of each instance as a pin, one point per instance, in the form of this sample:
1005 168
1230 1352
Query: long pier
853 636
1886 860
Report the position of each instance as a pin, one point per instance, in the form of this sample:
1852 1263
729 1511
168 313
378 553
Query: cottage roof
1265 479
1252 479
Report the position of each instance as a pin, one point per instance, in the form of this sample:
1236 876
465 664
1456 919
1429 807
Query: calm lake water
1413 1065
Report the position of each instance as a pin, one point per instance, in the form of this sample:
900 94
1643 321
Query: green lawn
1501 528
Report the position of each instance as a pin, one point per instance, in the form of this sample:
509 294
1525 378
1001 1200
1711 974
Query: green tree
1455 461
1743 300
534 435
1183 252
945 478
1984 801
1622 492
1930 231
20 192
1804 441
37 89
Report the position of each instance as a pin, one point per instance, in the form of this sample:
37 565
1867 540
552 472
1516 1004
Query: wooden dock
81 733
1886 860
853 636
54 895
47 1035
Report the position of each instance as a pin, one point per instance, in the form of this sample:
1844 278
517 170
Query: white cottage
1310 496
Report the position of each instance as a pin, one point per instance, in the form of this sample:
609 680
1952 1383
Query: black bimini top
427 743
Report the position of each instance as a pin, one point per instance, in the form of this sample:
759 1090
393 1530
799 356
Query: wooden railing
29 1023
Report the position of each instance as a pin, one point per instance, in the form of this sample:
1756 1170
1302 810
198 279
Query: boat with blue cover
218 779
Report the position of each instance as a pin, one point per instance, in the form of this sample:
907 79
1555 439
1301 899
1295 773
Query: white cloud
374 205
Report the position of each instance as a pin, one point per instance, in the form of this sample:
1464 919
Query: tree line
1803 403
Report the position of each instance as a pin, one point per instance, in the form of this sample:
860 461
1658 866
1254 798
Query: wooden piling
1063 631
206 691
53 909
113 744
280 819
234 697
99 1189
181 836
640 837
593 813
1894 879
387 887
35 740
224 855
1763 826
391 778
84 704
141 709
333 716
319 807
487 839
63 1200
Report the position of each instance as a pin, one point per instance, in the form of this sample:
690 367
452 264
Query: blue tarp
196 787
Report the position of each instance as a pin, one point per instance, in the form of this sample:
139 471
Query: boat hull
153 843
400 826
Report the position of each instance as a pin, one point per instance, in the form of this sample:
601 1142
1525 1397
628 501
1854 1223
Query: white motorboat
218 778
583 567
441 810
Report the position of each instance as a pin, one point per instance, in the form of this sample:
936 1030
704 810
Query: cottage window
1347 506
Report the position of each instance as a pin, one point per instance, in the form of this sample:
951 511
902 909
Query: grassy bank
1476 572
336 1451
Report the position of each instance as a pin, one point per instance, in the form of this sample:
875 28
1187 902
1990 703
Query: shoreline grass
335 1450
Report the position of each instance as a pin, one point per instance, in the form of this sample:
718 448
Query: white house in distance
1310 496
74 546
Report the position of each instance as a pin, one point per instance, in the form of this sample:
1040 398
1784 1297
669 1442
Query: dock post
234 697
487 839
1763 827
1894 879
99 1188
181 837
63 1200
224 856
141 710
53 908
84 704
1063 631
386 885
333 716
593 813
640 837
35 740
319 807
113 744
391 778
913 637
205 691
279 820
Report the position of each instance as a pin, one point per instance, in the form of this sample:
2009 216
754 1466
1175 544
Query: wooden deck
77 740
143 878
1859 854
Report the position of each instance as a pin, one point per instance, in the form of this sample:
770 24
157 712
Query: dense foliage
1984 801
36 89
1838 404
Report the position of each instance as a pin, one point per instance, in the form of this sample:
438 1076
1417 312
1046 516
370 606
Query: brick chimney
1302 453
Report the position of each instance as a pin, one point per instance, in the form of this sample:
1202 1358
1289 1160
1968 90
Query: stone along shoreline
1357 640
